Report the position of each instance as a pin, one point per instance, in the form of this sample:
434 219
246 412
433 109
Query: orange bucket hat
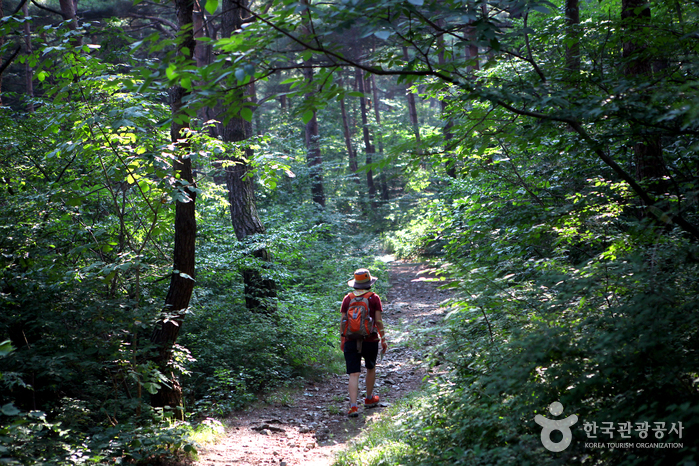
362 279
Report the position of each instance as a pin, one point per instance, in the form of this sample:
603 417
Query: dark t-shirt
374 305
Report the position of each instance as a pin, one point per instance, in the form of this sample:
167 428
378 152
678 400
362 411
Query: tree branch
154 19
647 198
529 51
677 219
45 8
347 61
19 7
7 62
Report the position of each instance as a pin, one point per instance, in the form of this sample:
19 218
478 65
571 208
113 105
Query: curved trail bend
312 424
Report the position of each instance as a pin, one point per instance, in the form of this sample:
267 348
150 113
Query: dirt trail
311 426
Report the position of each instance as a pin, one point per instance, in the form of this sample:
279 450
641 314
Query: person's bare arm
379 325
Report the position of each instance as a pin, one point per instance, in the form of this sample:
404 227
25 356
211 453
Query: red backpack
358 324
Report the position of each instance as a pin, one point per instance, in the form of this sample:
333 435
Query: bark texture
69 11
572 21
412 107
260 292
28 72
647 147
351 153
385 195
179 294
314 159
368 146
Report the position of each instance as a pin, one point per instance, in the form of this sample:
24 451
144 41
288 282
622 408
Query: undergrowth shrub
584 303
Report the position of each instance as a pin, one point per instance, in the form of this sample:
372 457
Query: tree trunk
202 51
385 195
647 148
28 72
260 292
471 52
412 108
634 13
69 13
283 103
203 55
351 153
313 157
572 22
450 164
368 146
182 280
2 42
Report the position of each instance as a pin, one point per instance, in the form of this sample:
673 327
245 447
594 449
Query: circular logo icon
562 425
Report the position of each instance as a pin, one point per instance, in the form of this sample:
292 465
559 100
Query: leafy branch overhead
273 42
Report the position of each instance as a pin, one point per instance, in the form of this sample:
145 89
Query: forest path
311 425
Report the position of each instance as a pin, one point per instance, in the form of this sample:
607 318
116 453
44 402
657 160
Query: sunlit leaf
211 6
307 116
246 113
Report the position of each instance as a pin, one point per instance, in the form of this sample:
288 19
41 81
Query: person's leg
353 388
369 352
353 361
370 379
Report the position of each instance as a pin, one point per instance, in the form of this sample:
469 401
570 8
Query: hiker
362 330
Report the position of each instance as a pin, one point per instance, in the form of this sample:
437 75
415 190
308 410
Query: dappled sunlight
386 258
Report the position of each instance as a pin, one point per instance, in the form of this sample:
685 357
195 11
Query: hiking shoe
371 402
353 412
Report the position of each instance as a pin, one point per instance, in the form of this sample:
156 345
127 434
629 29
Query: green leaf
211 6
383 35
9 410
189 448
171 72
151 387
307 116
240 74
416 2
6 348
246 113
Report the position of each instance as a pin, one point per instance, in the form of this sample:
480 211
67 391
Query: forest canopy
186 186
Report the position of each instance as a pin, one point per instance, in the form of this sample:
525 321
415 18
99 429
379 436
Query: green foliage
573 254
570 289
87 203
384 441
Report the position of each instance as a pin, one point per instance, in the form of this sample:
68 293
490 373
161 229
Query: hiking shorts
353 359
